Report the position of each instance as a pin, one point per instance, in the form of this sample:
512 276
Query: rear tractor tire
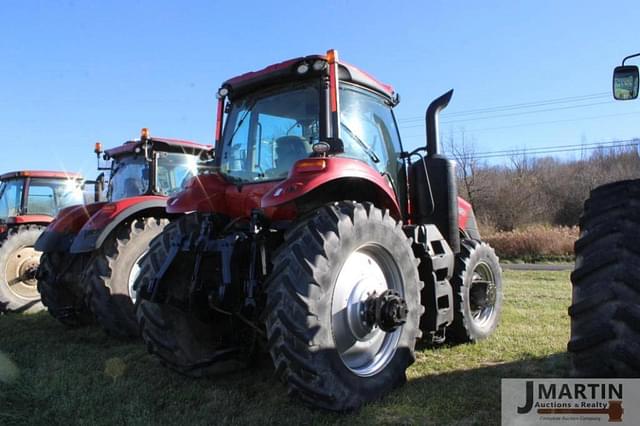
112 272
477 292
61 288
19 263
343 306
605 310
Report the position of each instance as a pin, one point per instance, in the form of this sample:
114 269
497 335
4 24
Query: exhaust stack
431 118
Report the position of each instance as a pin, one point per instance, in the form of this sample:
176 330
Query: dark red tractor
605 310
29 200
319 237
90 253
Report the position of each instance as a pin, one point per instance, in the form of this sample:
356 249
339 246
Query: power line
515 114
581 145
558 151
591 117
535 123
523 105
553 149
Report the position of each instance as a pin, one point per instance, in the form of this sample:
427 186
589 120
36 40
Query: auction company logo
570 401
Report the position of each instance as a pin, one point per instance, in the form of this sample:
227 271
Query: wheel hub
359 327
21 270
483 294
387 311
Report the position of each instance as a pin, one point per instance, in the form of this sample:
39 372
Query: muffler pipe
431 118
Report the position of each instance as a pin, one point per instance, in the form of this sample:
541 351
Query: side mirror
98 189
625 82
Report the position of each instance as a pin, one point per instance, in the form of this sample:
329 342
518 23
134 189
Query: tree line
537 190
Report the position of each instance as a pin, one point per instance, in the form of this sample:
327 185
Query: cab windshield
45 196
49 196
130 175
265 135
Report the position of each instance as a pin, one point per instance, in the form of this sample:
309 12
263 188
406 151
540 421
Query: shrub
534 242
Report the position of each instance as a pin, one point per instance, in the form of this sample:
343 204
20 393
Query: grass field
50 375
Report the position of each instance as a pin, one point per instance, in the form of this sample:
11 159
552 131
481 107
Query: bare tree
463 151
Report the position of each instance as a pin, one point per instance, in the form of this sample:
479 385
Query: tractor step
436 269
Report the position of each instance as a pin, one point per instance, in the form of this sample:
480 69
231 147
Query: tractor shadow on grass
469 395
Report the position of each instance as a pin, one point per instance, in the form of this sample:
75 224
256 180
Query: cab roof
286 71
160 144
41 174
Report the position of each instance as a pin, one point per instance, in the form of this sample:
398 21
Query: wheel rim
365 350
133 276
20 272
483 293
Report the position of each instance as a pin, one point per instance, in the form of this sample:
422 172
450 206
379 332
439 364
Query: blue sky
75 72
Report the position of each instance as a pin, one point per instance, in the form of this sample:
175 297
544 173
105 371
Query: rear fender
467 219
96 230
62 230
316 181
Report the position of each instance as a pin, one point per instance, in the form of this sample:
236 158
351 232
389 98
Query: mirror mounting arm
629 57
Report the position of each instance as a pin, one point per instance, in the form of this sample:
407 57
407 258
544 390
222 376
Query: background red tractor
318 236
90 253
605 310
28 202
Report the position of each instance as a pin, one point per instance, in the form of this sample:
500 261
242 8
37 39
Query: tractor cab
35 197
268 130
305 108
149 166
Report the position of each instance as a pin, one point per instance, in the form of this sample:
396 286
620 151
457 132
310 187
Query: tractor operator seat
289 149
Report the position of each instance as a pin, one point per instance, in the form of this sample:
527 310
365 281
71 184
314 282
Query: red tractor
90 253
318 236
605 310
28 202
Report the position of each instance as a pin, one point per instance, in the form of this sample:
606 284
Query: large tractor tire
61 289
321 340
183 341
112 272
19 263
605 310
477 292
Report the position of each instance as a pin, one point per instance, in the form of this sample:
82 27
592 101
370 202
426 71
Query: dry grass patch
534 243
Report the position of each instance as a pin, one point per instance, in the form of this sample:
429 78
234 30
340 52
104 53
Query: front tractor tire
605 310
477 288
19 263
112 272
343 306
183 341
60 285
